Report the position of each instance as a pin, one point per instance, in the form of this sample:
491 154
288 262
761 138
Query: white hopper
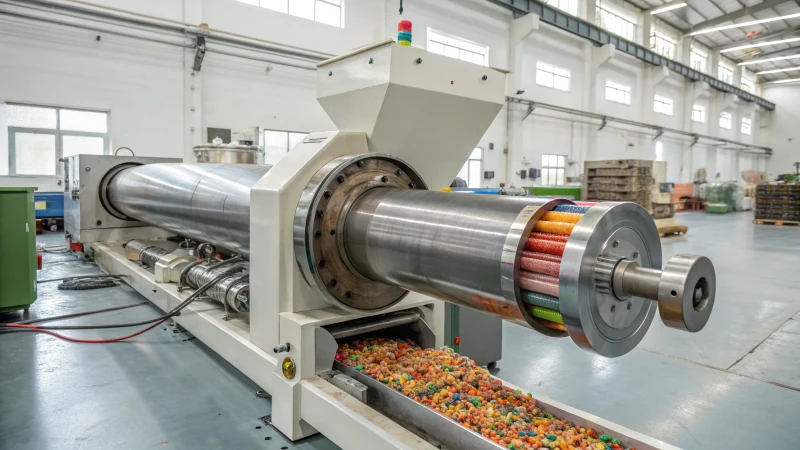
427 109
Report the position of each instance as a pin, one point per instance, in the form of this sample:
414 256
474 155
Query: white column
596 58
521 29
192 84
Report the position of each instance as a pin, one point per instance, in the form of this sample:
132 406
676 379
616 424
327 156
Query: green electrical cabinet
18 247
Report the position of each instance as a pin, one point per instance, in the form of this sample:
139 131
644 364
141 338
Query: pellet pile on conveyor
453 385
541 262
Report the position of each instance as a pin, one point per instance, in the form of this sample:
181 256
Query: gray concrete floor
729 386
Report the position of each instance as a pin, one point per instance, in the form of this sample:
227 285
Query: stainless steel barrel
459 248
206 202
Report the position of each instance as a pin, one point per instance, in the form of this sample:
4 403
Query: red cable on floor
84 341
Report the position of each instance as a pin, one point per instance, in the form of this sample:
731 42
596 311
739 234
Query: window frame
554 75
724 115
59 138
558 4
727 71
702 110
553 170
657 38
627 91
288 9
288 141
444 35
695 55
630 25
468 165
666 101
749 122
747 85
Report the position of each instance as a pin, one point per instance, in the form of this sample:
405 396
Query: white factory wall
784 133
153 108
140 84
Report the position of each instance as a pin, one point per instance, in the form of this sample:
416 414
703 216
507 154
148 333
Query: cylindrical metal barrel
206 202
442 245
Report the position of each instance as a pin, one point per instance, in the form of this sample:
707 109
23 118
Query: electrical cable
87 341
79 277
174 312
79 314
87 284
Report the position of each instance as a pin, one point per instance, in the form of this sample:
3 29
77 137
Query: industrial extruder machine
347 237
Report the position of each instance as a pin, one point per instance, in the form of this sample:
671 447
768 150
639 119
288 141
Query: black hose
79 314
174 312
80 277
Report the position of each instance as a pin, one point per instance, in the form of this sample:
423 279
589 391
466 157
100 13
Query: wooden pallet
788 223
667 227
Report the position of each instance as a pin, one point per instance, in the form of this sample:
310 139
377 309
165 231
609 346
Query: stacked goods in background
627 180
721 197
778 202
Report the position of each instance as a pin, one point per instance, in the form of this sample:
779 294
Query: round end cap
686 292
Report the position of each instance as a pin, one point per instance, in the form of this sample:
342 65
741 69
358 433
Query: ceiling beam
775 53
749 11
667 4
760 38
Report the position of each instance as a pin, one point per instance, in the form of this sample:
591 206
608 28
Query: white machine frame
284 307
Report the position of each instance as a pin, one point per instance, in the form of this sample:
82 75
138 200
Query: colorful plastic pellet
553 325
545 246
553 216
554 227
453 386
537 282
546 314
540 265
550 237
567 208
537 299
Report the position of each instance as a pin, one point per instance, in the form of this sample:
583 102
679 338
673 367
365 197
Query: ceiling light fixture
778 70
762 44
667 8
784 81
744 24
777 58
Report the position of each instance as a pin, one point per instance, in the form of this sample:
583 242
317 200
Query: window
697 60
39 136
619 93
458 48
328 12
278 143
551 76
615 23
659 151
553 169
471 172
725 120
725 74
698 113
662 105
747 85
570 6
662 44
746 125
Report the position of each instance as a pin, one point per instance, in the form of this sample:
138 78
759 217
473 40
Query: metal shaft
442 245
206 202
630 279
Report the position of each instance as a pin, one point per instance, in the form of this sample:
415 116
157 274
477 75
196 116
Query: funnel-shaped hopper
429 110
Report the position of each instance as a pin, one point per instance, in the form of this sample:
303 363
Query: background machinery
342 238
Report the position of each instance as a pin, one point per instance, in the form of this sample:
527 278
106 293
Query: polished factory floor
733 385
